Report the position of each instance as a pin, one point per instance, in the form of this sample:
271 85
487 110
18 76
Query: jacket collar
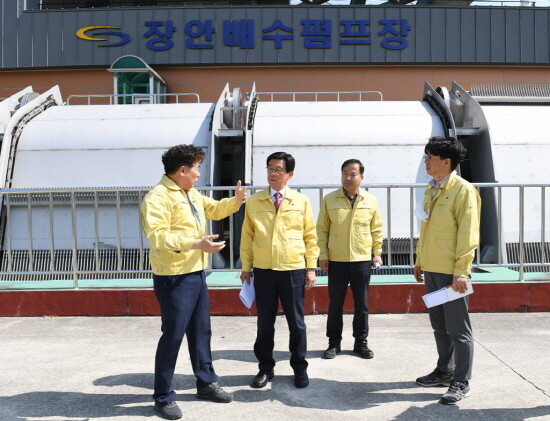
360 193
168 183
448 183
289 194
451 179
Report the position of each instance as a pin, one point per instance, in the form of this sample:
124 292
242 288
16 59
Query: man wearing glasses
449 235
349 228
279 241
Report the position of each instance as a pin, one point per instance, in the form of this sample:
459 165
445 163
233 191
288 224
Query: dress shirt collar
272 191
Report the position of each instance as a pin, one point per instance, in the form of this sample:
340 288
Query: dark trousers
185 309
270 286
452 330
357 275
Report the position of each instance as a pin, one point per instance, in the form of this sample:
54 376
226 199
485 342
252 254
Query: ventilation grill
130 263
510 93
86 261
80 198
400 257
531 254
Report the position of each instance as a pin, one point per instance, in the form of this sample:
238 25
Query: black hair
286 157
354 161
446 147
181 155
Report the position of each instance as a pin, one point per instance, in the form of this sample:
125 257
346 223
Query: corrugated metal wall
438 35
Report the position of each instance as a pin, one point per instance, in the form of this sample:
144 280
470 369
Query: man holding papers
449 235
279 241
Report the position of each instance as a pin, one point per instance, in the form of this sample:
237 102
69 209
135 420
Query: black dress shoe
301 378
361 347
331 352
262 378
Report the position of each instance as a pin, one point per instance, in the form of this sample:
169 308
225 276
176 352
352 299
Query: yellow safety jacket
450 235
283 240
349 234
170 225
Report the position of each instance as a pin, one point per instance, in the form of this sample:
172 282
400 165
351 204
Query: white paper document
247 294
444 295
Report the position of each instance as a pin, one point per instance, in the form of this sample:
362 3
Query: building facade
388 48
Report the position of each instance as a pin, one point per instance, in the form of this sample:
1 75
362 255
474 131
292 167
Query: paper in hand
444 295
247 294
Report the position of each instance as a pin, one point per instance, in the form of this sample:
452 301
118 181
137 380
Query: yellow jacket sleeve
216 210
376 232
418 261
467 217
247 240
323 230
310 237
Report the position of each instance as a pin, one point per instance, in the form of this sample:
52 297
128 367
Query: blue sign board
287 35
314 33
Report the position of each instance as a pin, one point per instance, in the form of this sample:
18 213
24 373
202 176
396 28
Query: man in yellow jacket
279 241
349 228
449 235
173 217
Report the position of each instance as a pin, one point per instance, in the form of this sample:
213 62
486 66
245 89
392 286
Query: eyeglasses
277 171
428 157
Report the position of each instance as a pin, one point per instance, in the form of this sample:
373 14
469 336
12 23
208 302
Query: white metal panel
521 142
343 123
107 145
518 125
520 164
388 137
521 147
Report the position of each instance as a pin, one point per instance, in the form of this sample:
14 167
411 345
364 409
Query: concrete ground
84 368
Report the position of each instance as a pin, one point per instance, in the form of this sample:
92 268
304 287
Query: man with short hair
279 241
173 217
349 229
449 235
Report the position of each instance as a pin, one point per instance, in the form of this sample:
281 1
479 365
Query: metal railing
112 99
76 234
306 96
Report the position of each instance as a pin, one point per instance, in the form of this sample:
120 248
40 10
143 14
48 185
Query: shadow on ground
321 394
